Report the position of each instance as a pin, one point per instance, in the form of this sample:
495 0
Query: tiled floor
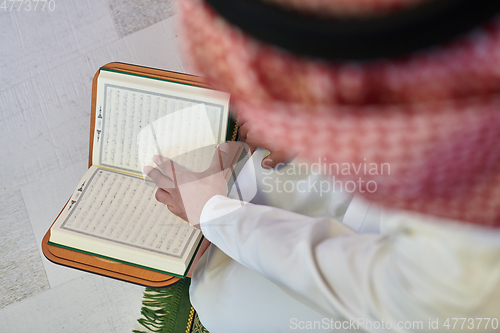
47 60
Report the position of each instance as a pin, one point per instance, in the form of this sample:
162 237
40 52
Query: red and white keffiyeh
433 116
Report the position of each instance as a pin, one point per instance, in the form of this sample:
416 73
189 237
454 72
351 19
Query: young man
428 110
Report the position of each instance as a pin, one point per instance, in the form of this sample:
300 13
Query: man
430 112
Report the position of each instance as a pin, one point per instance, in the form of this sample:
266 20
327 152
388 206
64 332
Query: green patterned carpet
168 310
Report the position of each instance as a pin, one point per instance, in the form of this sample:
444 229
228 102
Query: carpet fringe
160 307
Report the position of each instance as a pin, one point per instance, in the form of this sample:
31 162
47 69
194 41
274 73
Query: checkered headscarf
433 116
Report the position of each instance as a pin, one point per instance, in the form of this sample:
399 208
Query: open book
113 213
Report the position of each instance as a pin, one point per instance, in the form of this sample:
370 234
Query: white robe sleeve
415 271
294 187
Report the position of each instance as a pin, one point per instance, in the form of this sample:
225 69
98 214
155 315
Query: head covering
432 116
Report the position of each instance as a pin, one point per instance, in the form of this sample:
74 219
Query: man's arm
414 272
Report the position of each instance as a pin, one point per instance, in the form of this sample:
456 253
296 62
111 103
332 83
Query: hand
186 192
276 156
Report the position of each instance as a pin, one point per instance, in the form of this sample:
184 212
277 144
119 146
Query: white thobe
300 268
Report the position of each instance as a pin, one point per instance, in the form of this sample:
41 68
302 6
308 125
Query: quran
113 213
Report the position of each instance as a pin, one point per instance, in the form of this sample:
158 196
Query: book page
138 117
119 211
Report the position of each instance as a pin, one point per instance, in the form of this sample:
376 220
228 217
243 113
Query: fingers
158 178
174 206
165 198
170 174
